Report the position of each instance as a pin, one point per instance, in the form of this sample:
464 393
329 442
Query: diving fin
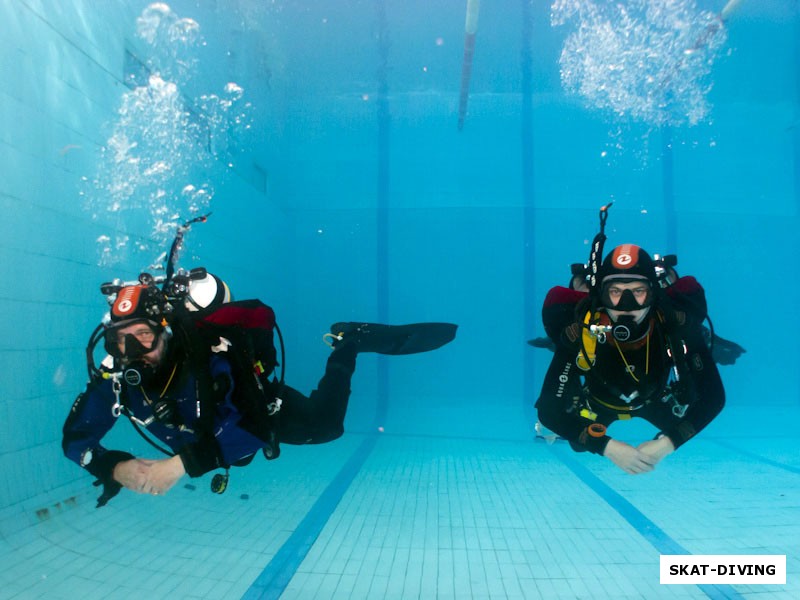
542 342
392 339
725 352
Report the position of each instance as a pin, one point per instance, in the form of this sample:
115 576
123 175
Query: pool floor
394 516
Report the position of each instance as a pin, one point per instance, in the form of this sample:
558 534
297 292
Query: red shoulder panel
562 295
250 314
685 285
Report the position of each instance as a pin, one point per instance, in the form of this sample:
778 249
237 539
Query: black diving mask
136 370
134 344
627 300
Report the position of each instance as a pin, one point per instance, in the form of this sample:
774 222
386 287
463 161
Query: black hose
283 353
148 440
96 336
172 258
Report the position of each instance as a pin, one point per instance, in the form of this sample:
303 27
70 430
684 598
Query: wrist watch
86 457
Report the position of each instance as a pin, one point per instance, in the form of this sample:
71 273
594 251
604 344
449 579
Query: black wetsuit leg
319 418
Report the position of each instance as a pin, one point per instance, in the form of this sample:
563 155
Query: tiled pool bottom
385 516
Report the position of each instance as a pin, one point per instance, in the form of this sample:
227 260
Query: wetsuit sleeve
89 419
703 391
560 401
227 442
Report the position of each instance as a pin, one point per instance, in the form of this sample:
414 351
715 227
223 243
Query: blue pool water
323 137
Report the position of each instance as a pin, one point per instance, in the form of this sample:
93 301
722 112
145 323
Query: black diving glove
110 489
102 467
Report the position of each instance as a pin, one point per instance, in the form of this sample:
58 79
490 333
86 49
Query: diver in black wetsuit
633 346
723 351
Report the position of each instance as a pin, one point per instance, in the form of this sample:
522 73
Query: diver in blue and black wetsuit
197 376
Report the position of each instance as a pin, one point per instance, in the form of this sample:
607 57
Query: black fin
544 342
394 339
726 352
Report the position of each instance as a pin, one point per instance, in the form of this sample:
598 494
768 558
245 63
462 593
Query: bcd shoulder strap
244 330
688 296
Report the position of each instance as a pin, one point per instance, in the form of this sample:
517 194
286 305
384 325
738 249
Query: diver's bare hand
629 459
132 474
163 474
658 448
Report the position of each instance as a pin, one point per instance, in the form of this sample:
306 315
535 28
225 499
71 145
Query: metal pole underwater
668 190
382 207
794 127
470 29
530 318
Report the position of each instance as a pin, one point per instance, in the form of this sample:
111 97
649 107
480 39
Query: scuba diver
198 372
723 351
631 343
